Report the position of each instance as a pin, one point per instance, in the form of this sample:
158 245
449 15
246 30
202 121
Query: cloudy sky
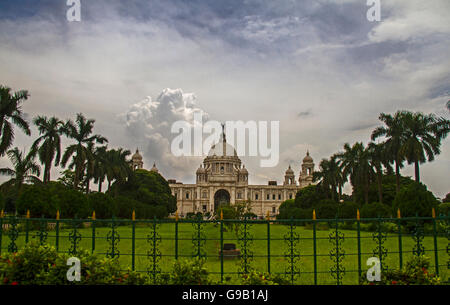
319 67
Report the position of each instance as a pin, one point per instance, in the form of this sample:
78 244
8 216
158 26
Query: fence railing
303 251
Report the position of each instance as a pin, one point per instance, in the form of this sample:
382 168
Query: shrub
416 272
258 278
24 266
190 272
41 264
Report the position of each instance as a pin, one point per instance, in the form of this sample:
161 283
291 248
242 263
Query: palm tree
25 168
117 167
394 131
81 132
356 165
50 130
423 133
328 175
99 166
11 113
378 159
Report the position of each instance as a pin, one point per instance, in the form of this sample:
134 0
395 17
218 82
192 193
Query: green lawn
278 248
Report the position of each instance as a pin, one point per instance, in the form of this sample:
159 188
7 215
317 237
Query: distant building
223 179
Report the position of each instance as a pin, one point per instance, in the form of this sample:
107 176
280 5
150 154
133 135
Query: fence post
176 235
315 245
93 232
221 246
42 230
13 235
358 238
400 252
1 229
27 226
57 231
133 240
268 241
436 261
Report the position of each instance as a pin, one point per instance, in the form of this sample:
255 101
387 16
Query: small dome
137 156
201 170
243 170
154 169
289 170
308 158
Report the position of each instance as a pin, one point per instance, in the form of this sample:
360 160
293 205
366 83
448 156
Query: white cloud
412 19
148 123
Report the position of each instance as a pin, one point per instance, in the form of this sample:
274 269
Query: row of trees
408 137
84 156
87 158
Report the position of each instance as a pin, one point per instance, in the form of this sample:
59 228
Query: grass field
278 249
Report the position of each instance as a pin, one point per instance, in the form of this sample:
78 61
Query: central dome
222 148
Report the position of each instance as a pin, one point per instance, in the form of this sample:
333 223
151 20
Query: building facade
223 179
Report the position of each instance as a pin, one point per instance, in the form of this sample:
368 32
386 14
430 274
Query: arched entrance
221 197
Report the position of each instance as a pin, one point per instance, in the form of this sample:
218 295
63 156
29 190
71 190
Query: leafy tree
415 199
104 205
81 132
308 196
347 209
148 188
375 209
447 198
423 136
388 188
50 131
11 113
326 209
25 169
46 199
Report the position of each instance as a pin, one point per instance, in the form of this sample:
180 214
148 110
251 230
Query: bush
258 278
414 199
416 272
41 265
190 272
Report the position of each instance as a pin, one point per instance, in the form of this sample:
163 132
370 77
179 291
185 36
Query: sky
320 68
